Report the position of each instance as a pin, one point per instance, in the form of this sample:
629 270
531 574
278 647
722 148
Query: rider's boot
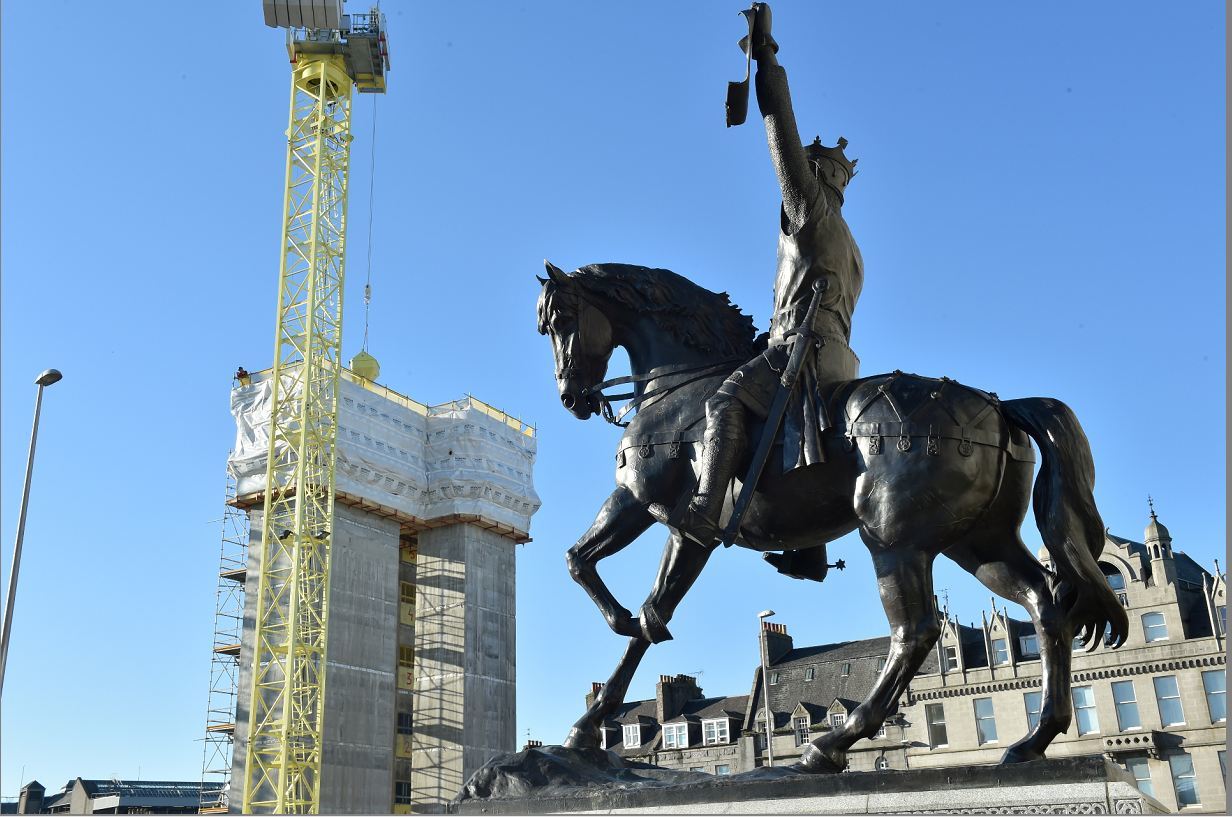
724 446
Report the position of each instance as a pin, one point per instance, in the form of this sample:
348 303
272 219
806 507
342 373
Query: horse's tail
1067 517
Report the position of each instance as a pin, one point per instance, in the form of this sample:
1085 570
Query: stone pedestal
555 782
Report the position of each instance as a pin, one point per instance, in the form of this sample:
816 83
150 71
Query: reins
636 402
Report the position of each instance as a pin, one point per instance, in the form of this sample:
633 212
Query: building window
1115 580
1032 702
406 655
1126 705
1140 768
408 593
1184 780
774 678
701 769
837 719
722 768
1028 646
1223 764
1215 683
1154 627
882 764
1084 708
880 733
1171 713
881 662
935 715
1000 652
633 734
809 673
985 723
402 793
1221 618
716 731
951 658
675 735
846 670
801 727
405 719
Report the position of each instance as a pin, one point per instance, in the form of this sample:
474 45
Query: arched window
882 763
1115 580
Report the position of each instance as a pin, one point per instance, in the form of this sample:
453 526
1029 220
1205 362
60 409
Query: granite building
1157 705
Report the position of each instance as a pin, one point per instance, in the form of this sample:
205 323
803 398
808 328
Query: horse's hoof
1018 754
815 761
581 740
625 624
653 628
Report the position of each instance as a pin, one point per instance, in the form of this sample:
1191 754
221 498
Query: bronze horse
919 466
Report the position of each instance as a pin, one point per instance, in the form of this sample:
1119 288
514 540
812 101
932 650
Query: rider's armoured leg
725 441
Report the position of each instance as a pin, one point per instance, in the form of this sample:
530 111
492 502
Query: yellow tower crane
331 52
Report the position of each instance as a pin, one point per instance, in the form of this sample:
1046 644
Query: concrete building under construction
430 502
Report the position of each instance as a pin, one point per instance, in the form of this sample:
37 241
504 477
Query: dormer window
837 719
1000 652
633 734
675 735
716 731
809 673
951 659
1221 618
1028 646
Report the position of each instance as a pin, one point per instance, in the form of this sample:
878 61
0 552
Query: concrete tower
420 680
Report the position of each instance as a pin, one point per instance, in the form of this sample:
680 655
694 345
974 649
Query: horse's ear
541 279
555 273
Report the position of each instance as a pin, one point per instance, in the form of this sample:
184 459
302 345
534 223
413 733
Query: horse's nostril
568 401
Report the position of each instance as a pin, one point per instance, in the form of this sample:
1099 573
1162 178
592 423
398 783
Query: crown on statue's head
838 170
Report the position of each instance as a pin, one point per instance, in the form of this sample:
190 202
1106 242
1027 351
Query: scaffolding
224 662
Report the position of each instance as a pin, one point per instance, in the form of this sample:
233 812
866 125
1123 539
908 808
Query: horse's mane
706 321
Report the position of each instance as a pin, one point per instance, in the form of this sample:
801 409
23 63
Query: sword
805 337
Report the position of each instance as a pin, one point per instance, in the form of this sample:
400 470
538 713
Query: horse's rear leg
905 579
621 520
1012 572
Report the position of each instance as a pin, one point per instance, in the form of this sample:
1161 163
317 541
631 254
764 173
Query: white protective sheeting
451 459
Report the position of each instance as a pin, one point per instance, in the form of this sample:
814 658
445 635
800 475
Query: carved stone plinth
551 780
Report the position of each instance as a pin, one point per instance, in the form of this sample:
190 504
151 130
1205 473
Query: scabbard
805 337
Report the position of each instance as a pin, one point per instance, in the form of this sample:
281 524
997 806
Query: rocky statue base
556 780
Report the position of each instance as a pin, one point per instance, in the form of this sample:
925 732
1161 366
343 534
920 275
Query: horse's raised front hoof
1020 754
815 761
581 740
653 628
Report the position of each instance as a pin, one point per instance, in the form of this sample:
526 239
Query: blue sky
1040 205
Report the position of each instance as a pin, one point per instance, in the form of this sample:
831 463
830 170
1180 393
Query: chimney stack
595 689
777 642
672 693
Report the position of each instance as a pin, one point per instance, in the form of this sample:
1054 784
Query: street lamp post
765 685
45 379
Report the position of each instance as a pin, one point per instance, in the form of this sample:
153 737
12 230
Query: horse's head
581 340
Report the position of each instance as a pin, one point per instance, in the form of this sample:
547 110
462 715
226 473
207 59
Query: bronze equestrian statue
919 466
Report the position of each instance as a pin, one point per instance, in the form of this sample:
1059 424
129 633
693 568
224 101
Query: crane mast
331 53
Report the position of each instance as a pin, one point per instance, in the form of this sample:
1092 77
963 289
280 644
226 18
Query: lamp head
765 614
48 377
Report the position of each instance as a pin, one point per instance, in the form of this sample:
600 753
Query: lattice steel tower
330 52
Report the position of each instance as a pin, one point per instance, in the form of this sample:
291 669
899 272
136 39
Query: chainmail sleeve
800 186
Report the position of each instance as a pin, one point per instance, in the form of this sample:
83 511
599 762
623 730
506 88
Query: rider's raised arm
800 186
